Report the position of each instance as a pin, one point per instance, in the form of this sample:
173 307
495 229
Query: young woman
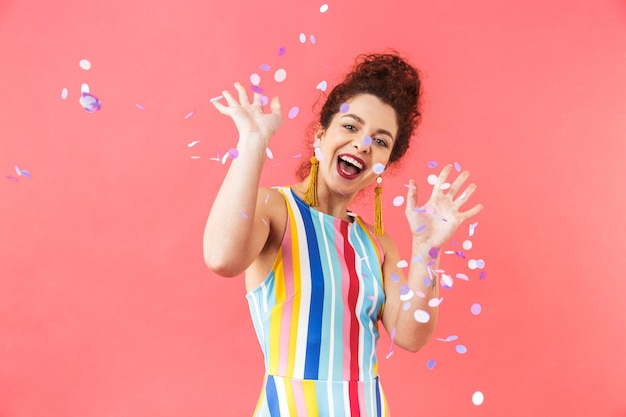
318 278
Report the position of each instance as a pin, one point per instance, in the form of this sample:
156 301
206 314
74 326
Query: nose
364 144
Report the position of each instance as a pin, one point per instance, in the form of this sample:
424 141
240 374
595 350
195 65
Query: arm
235 231
429 232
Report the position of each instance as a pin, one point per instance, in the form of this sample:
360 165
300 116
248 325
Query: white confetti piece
192 144
324 8
402 264
84 64
280 75
478 398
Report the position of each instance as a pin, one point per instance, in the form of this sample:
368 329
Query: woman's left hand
436 221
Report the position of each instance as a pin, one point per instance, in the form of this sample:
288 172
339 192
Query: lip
350 176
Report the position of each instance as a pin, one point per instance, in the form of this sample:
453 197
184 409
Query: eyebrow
358 119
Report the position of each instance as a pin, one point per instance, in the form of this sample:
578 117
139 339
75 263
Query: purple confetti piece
395 277
482 275
406 306
367 141
265 67
431 364
323 85
416 259
22 172
188 115
12 178
344 108
64 93
450 338
293 112
257 89
461 349
264 100
420 229
90 103
281 51
312 39
233 153
140 107
460 254
242 214
433 252
296 156
476 309
432 164
457 167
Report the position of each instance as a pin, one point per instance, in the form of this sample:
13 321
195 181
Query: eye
381 142
350 127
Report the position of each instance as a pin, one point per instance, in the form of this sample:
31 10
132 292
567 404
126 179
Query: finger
276 107
465 195
472 212
441 179
256 99
458 182
229 98
243 95
411 197
220 107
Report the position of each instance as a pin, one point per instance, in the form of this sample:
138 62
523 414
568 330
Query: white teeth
352 161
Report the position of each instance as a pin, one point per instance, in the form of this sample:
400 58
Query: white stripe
333 295
282 396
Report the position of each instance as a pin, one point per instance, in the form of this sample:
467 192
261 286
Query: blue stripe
314 332
272 396
378 404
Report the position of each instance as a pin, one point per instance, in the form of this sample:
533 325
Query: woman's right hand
249 118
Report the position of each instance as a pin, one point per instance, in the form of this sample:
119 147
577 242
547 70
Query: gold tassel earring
310 196
378 209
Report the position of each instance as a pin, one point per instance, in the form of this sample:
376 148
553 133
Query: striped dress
316 317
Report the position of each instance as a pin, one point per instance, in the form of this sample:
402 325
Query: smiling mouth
349 167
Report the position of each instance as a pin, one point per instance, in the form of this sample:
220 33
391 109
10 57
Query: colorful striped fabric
316 317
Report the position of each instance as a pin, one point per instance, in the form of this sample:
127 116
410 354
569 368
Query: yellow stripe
276 315
310 398
291 403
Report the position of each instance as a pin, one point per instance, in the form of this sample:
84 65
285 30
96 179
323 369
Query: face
357 142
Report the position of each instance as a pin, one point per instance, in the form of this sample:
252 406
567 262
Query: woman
318 278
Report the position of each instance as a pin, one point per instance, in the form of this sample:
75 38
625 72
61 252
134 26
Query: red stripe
353 390
353 295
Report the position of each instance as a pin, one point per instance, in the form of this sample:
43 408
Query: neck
329 201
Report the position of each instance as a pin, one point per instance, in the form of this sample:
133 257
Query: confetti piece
269 153
302 38
195 156
192 144
264 221
457 167
312 39
445 186
431 364
90 103
233 153
421 316
64 93
281 51
12 178
344 108
480 264
84 88
323 85
406 306
472 228
319 154
420 294
471 264
449 252
482 275
395 277
391 352
411 186
407 296
450 338
140 107
460 349
446 281
398 201
255 79
298 155
293 112
22 172
188 115
433 252
371 297
257 89
378 168
215 98
432 164
476 309
367 141
420 229
265 67
467 244
462 276
432 179
224 158
435 302
280 75
416 259
264 100
460 254
242 214
84 64
324 8
402 264
478 398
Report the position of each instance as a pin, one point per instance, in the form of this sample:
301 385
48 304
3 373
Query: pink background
106 307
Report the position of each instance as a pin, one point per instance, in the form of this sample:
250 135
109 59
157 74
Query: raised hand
249 118
437 220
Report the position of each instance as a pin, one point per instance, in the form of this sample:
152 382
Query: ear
319 133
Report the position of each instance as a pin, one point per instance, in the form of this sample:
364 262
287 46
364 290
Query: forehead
372 110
